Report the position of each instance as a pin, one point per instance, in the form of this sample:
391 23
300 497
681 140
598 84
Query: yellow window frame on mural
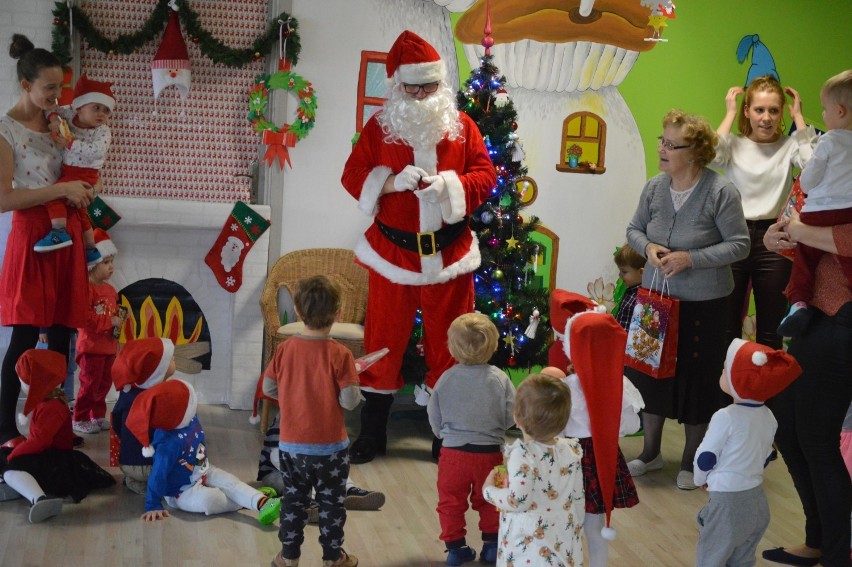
583 146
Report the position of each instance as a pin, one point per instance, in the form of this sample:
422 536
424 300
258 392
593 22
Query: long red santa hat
594 343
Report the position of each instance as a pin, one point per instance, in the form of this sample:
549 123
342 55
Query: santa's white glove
436 192
422 395
409 178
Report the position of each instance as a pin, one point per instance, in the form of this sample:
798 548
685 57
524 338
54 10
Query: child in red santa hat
605 405
182 473
737 447
140 364
46 462
96 342
84 128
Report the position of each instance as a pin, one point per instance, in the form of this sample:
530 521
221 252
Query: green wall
810 41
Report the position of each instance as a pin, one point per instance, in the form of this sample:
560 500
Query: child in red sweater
46 462
96 343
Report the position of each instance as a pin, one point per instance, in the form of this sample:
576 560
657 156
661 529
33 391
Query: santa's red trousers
390 318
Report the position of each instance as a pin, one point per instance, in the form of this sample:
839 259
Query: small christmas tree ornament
171 63
533 326
226 257
501 99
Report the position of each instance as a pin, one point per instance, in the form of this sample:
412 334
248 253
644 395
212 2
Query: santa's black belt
424 243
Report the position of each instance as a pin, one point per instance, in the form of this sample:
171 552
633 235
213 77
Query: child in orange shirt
314 379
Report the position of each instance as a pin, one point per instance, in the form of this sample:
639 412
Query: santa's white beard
420 123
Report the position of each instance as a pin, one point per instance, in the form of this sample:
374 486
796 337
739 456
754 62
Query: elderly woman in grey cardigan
690 226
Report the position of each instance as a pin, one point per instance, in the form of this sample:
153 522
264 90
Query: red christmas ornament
512 361
494 242
514 126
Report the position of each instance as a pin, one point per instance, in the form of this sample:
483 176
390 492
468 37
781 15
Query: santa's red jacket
469 174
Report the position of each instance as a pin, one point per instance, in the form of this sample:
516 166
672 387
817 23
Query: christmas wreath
280 138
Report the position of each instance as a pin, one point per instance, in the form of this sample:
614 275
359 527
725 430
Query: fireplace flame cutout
146 320
151 325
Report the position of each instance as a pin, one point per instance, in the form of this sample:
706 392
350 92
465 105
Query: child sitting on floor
139 365
46 462
182 474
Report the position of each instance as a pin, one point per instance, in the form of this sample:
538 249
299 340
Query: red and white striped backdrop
192 150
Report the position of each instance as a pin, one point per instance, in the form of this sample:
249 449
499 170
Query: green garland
209 45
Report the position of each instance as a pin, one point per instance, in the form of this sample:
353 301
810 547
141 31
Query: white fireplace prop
168 239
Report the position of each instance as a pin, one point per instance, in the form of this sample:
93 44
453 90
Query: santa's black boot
373 438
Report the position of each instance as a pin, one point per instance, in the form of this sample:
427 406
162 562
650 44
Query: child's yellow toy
501 479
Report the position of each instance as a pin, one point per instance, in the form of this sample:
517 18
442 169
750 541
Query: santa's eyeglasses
428 88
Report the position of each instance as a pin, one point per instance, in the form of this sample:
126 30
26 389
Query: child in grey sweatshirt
470 410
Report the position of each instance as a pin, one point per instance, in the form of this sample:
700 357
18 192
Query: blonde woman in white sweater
760 161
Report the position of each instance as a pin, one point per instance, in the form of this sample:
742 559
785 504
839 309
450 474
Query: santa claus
419 168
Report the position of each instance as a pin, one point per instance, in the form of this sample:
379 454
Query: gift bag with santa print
652 335
241 231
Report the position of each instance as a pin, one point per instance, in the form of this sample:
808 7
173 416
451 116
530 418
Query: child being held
541 495
827 181
631 266
84 127
735 450
604 405
313 377
46 462
182 474
140 364
470 410
96 342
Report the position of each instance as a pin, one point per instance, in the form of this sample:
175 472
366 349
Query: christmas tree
505 283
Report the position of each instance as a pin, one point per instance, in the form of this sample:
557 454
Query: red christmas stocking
241 231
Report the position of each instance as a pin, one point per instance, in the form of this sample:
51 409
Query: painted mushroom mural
563 61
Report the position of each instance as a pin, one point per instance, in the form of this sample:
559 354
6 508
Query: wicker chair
339 266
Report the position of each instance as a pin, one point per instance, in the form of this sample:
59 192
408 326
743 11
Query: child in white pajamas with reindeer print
540 496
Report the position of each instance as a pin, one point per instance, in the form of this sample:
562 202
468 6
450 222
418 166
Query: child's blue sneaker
797 320
488 553
93 258
460 555
57 238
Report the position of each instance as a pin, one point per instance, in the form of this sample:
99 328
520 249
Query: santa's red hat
87 91
594 343
171 63
142 363
104 243
756 372
41 371
563 306
414 61
169 405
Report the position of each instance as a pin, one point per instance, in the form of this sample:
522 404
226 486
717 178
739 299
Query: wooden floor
105 528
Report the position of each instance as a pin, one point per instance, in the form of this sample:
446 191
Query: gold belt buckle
431 236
